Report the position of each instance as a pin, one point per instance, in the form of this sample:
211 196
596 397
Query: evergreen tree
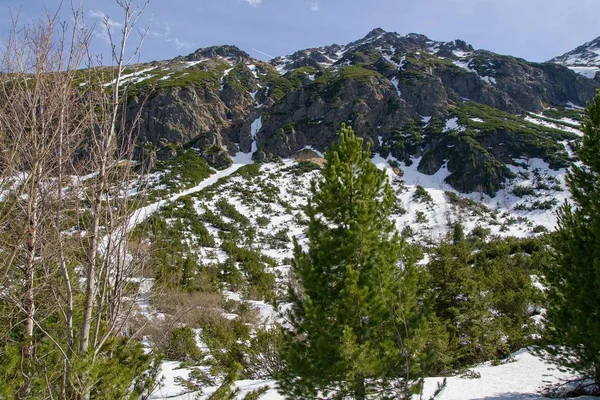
573 316
458 233
357 329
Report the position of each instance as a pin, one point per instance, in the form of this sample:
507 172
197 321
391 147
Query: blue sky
532 29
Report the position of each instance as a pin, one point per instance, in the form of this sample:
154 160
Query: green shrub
301 167
480 232
249 171
182 345
229 210
215 220
422 195
253 264
421 218
539 229
484 297
262 221
521 191
231 342
187 169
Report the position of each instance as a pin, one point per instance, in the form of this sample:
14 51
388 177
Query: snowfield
522 376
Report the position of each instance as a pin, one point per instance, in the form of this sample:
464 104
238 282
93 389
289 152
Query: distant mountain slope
409 96
584 59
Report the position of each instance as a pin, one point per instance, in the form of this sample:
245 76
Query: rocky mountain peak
410 96
224 51
417 37
584 59
375 33
462 45
588 54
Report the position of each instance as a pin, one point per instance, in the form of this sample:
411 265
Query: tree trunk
597 375
29 280
360 391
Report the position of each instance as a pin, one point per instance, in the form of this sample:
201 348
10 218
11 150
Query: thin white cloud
315 6
97 14
167 36
253 3
103 24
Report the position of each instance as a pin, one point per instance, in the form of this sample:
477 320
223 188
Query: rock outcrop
383 85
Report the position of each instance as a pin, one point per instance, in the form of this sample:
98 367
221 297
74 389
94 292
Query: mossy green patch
187 169
329 84
520 137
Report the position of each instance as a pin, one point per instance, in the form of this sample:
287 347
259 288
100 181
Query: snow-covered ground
522 376
519 379
588 72
144 213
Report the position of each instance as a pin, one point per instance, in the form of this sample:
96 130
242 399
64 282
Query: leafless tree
66 184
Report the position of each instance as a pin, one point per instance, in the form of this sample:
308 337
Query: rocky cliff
409 96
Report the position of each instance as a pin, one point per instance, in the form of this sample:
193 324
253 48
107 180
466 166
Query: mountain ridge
398 92
584 59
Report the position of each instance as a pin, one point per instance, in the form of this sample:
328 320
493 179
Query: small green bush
229 210
182 345
421 218
521 191
422 195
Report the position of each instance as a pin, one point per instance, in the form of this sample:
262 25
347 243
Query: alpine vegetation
393 218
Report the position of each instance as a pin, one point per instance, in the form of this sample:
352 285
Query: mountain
584 59
441 103
196 266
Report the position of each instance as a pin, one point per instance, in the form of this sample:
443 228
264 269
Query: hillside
467 137
404 94
170 239
238 231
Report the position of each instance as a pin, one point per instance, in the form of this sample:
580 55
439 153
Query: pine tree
357 329
573 315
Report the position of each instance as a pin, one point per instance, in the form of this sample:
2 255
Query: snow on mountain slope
143 213
584 60
272 199
389 44
519 377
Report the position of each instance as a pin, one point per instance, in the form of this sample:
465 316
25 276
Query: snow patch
452 125
552 125
588 72
461 54
128 77
227 71
519 378
489 80
574 106
254 128
396 82
252 69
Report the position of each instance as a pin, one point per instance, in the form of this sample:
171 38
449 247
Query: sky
536 30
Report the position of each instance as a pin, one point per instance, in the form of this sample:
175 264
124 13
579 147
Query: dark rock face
424 92
182 115
306 118
378 84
